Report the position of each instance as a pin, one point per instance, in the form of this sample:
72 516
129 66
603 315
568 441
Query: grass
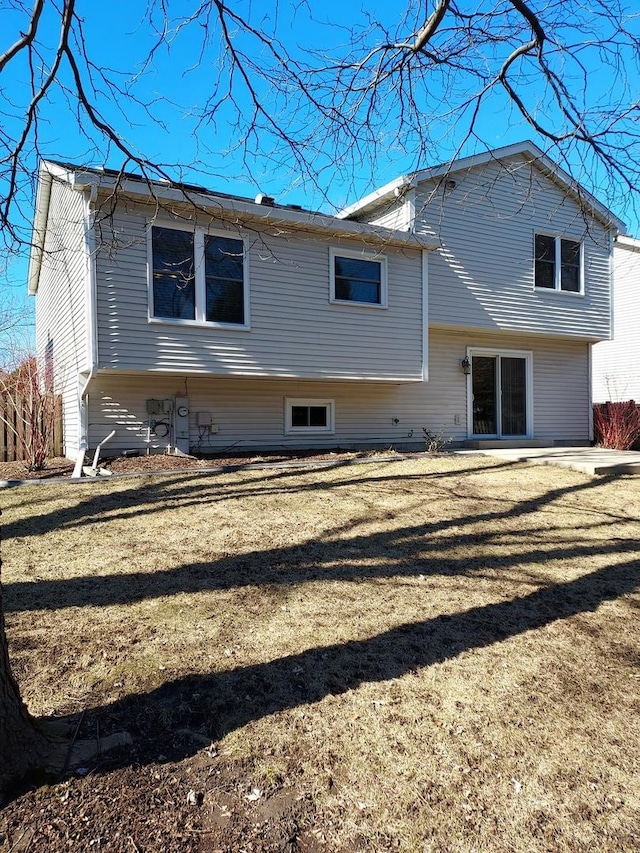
437 654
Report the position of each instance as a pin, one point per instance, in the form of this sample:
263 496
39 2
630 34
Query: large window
558 263
198 277
358 277
308 416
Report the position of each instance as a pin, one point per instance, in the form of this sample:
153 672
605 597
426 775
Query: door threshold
505 443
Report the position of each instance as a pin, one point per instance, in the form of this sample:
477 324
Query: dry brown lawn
424 655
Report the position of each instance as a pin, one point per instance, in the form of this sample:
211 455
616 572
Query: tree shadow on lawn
401 552
194 489
175 720
213 705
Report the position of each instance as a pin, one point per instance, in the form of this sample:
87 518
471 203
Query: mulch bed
158 463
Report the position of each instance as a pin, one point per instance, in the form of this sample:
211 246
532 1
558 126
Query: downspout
425 315
590 369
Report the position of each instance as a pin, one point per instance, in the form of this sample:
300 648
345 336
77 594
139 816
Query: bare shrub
617 425
28 411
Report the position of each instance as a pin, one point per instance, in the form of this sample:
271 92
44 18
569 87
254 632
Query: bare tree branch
377 91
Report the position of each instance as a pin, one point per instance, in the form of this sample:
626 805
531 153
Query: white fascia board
386 192
47 172
276 217
624 242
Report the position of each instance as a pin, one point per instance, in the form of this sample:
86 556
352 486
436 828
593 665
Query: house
616 363
463 299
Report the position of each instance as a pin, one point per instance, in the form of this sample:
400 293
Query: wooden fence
14 417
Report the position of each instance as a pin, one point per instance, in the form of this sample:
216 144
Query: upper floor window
358 277
199 277
558 263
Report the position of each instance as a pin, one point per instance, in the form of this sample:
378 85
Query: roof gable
527 149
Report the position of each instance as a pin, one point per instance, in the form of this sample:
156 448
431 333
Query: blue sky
178 80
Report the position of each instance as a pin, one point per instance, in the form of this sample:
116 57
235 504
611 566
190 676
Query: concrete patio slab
589 460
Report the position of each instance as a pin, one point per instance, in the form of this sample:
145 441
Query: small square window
558 263
309 416
358 278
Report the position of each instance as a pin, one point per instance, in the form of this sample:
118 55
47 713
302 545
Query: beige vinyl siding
249 412
61 305
483 276
393 214
295 331
616 363
561 411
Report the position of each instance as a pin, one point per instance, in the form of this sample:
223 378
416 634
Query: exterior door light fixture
465 364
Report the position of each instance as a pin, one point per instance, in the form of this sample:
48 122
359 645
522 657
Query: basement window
308 416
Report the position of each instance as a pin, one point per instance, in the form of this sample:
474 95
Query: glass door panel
513 383
484 391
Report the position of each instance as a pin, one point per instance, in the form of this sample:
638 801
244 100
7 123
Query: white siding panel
61 320
392 215
249 412
295 331
616 363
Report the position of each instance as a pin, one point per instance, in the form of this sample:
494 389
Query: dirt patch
58 467
162 462
200 805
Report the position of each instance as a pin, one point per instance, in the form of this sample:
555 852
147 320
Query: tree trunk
23 747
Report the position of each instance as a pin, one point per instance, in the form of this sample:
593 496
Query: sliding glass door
500 394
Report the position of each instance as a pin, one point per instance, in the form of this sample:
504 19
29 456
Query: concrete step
505 444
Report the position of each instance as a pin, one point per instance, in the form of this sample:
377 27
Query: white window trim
508 353
290 402
200 320
376 257
557 264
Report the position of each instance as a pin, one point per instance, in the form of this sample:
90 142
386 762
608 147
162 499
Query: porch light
465 364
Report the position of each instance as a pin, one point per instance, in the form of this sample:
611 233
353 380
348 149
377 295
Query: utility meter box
181 423
159 407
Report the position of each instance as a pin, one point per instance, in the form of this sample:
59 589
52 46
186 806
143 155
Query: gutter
623 241
279 218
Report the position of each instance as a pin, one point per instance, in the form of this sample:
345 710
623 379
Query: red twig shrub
27 412
616 425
